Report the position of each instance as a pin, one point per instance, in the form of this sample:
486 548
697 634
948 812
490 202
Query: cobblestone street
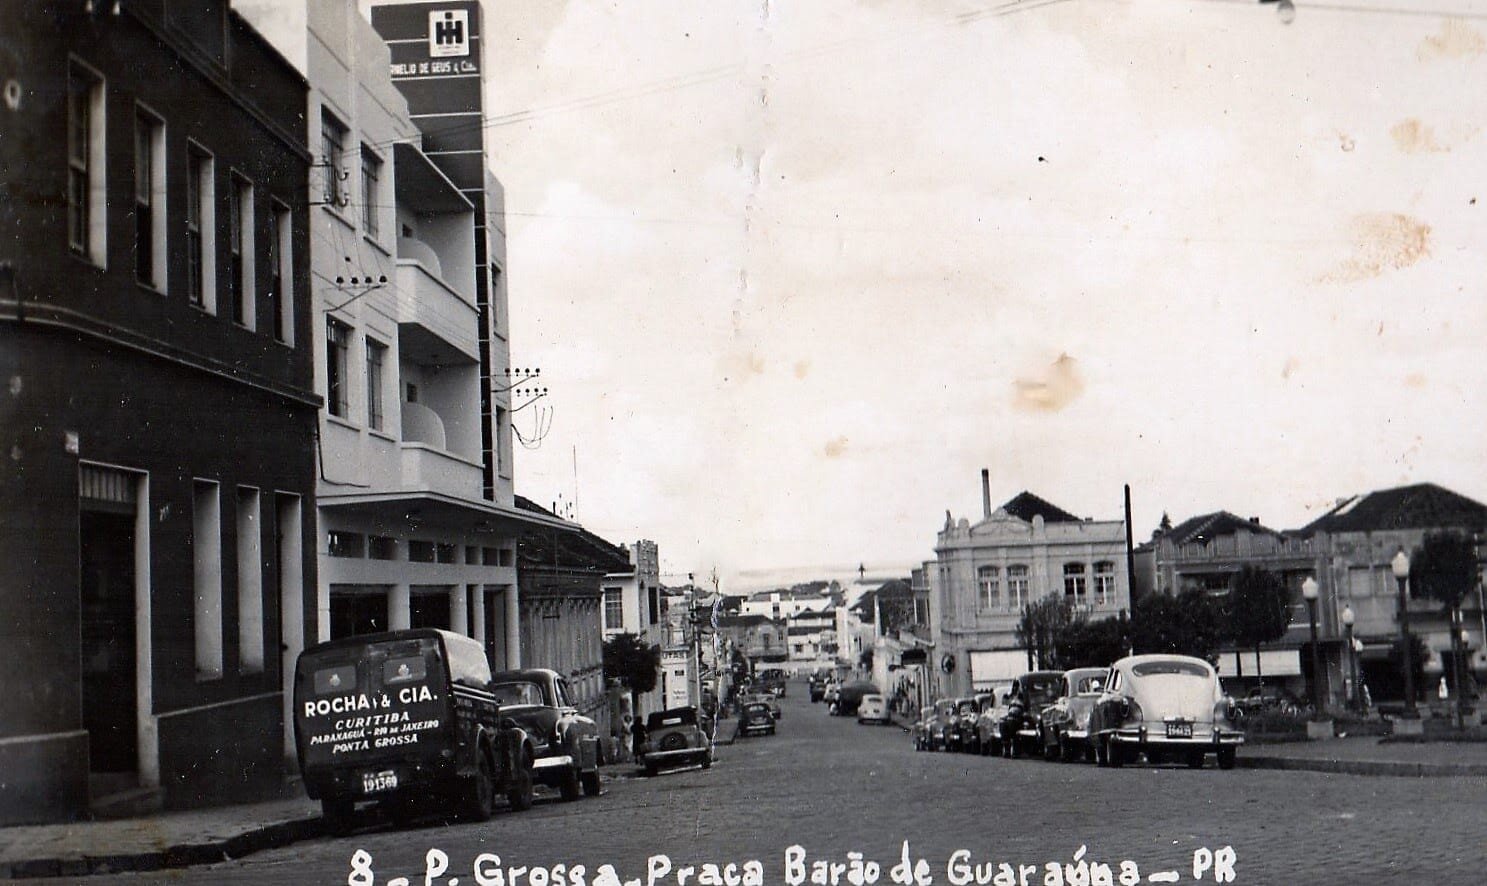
832 787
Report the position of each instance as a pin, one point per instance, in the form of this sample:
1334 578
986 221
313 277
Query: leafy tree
1190 623
1444 568
1259 610
1040 624
1084 643
631 661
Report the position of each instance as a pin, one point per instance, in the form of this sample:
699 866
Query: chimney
1255 520
985 492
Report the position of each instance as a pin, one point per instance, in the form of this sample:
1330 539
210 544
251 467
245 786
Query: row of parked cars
1166 708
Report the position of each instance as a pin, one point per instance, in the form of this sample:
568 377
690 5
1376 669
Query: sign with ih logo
449 33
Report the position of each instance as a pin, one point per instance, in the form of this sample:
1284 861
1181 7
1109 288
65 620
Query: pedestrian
638 737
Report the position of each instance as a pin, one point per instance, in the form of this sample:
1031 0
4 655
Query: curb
256 839
1365 767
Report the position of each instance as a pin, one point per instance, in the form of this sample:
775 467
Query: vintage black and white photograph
743 442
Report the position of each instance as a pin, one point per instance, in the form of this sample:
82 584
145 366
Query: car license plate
372 782
1179 730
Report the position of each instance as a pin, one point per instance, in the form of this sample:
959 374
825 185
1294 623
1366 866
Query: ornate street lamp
1309 591
1347 618
1401 567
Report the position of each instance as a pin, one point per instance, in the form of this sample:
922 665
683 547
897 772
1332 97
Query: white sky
795 272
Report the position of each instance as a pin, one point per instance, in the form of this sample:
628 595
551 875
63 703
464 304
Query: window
149 199
614 609
990 581
240 251
344 544
1076 590
382 547
281 273
1017 586
206 556
337 336
503 423
332 146
376 360
85 163
1104 583
654 595
420 552
250 582
201 263
371 169
445 552
429 608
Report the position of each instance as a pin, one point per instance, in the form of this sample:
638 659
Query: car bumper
1200 739
558 762
1076 735
679 754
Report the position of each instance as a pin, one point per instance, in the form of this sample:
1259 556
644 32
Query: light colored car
1167 707
989 722
1065 723
873 709
675 737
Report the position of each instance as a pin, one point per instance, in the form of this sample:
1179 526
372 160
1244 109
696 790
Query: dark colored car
772 680
675 737
755 718
1065 723
850 696
817 684
397 718
1031 693
937 730
960 728
567 742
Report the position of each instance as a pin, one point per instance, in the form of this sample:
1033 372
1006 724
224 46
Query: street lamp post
1401 568
1309 591
1347 625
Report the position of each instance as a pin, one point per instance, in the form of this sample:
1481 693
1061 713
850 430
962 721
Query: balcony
436 325
424 467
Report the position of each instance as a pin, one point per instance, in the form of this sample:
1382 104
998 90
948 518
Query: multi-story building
635 603
759 638
1016 555
812 636
156 331
418 523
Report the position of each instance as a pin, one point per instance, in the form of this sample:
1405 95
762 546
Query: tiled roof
1208 526
579 549
1025 505
1422 506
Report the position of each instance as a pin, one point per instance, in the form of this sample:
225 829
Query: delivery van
407 719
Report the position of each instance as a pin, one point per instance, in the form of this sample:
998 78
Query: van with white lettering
406 719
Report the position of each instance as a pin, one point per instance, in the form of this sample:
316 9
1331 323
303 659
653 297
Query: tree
1040 625
1259 611
633 663
1083 643
1190 623
1444 568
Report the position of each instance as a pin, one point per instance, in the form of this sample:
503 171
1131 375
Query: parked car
1269 698
567 742
1065 722
961 727
873 709
850 696
763 698
830 695
675 737
772 681
818 682
919 733
1168 707
990 721
938 728
1031 693
395 718
755 718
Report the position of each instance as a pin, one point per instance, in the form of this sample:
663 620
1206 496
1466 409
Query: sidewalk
166 840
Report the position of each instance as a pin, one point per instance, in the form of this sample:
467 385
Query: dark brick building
157 416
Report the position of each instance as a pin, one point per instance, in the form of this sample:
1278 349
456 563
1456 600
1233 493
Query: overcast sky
794 272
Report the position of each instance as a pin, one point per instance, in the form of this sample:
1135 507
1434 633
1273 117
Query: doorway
107 590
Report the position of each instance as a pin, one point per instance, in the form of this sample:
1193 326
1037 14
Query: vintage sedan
989 722
1065 723
960 732
675 737
873 709
1031 693
754 718
1167 707
850 696
567 755
764 698
938 727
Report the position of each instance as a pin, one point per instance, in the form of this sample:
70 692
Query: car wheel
650 770
1014 748
1227 757
592 784
569 784
1115 753
1055 751
519 794
337 815
479 799
707 762
1102 751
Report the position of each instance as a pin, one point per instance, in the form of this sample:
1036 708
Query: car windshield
966 707
757 708
517 692
1177 668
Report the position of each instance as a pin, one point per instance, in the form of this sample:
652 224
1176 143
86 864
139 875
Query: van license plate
1179 730
372 782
